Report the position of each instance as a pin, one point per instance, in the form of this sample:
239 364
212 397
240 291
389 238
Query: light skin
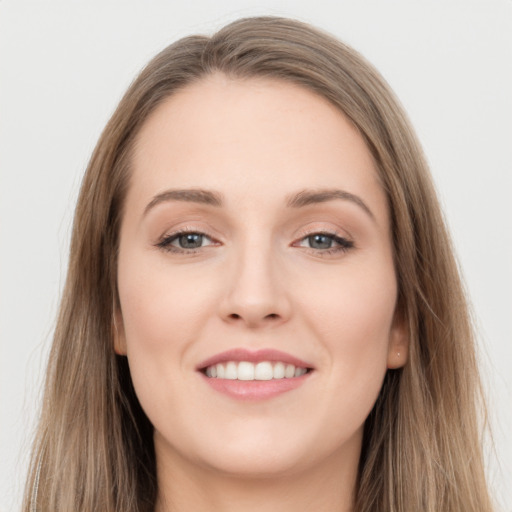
256 279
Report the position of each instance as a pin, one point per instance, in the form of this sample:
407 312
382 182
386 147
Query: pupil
320 241
191 241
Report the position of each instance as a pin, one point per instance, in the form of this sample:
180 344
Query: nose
255 293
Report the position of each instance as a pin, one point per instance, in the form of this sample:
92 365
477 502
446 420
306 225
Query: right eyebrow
189 195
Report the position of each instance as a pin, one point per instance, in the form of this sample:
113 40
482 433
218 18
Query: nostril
253 318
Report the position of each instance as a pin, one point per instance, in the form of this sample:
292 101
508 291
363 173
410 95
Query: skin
257 281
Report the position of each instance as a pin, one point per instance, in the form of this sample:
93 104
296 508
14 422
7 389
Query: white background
65 64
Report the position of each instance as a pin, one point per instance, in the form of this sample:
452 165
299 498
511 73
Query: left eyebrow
306 197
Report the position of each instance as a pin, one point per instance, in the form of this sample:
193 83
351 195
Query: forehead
251 139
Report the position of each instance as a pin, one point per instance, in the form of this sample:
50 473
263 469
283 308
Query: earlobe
118 333
398 350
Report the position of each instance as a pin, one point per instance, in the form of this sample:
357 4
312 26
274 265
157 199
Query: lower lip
255 389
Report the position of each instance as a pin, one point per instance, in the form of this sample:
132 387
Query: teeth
299 371
231 371
289 371
279 371
263 371
244 370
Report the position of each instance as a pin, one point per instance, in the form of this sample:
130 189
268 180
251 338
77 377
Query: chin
252 455
261 465
260 456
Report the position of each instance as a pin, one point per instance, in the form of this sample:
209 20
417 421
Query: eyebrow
189 195
299 199
307 197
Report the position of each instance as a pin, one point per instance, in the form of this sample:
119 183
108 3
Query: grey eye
190 240
320 241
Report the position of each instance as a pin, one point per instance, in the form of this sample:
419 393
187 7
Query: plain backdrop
64 66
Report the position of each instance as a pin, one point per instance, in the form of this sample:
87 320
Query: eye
184 241
326 243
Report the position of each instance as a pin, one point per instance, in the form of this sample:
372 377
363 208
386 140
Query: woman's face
285 267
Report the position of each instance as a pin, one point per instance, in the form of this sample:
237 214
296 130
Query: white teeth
289 371
263 371
278 371
245 370
231 371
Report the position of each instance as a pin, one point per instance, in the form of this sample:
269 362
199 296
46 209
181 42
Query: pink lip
255 356
256 389
253 390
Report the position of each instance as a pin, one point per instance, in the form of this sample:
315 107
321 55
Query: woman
262 308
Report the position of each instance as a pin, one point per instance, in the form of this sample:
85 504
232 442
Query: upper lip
253 356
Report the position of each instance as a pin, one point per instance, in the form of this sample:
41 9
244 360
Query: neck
327 487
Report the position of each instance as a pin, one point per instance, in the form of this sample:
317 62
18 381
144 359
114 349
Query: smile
245 370
254 375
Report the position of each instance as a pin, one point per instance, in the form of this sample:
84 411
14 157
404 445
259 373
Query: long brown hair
421 448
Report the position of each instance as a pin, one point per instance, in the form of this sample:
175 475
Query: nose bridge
255 293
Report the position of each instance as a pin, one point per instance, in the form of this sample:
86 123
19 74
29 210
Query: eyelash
344 244
165 242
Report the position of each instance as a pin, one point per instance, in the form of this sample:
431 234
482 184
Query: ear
118 333
398 348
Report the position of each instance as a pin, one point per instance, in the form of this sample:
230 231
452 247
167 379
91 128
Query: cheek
163 310
352 318
353 303
164 313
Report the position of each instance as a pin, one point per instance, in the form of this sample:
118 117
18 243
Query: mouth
247 371
254 375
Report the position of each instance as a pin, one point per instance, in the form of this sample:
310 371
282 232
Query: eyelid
179 229
327 229
343 243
